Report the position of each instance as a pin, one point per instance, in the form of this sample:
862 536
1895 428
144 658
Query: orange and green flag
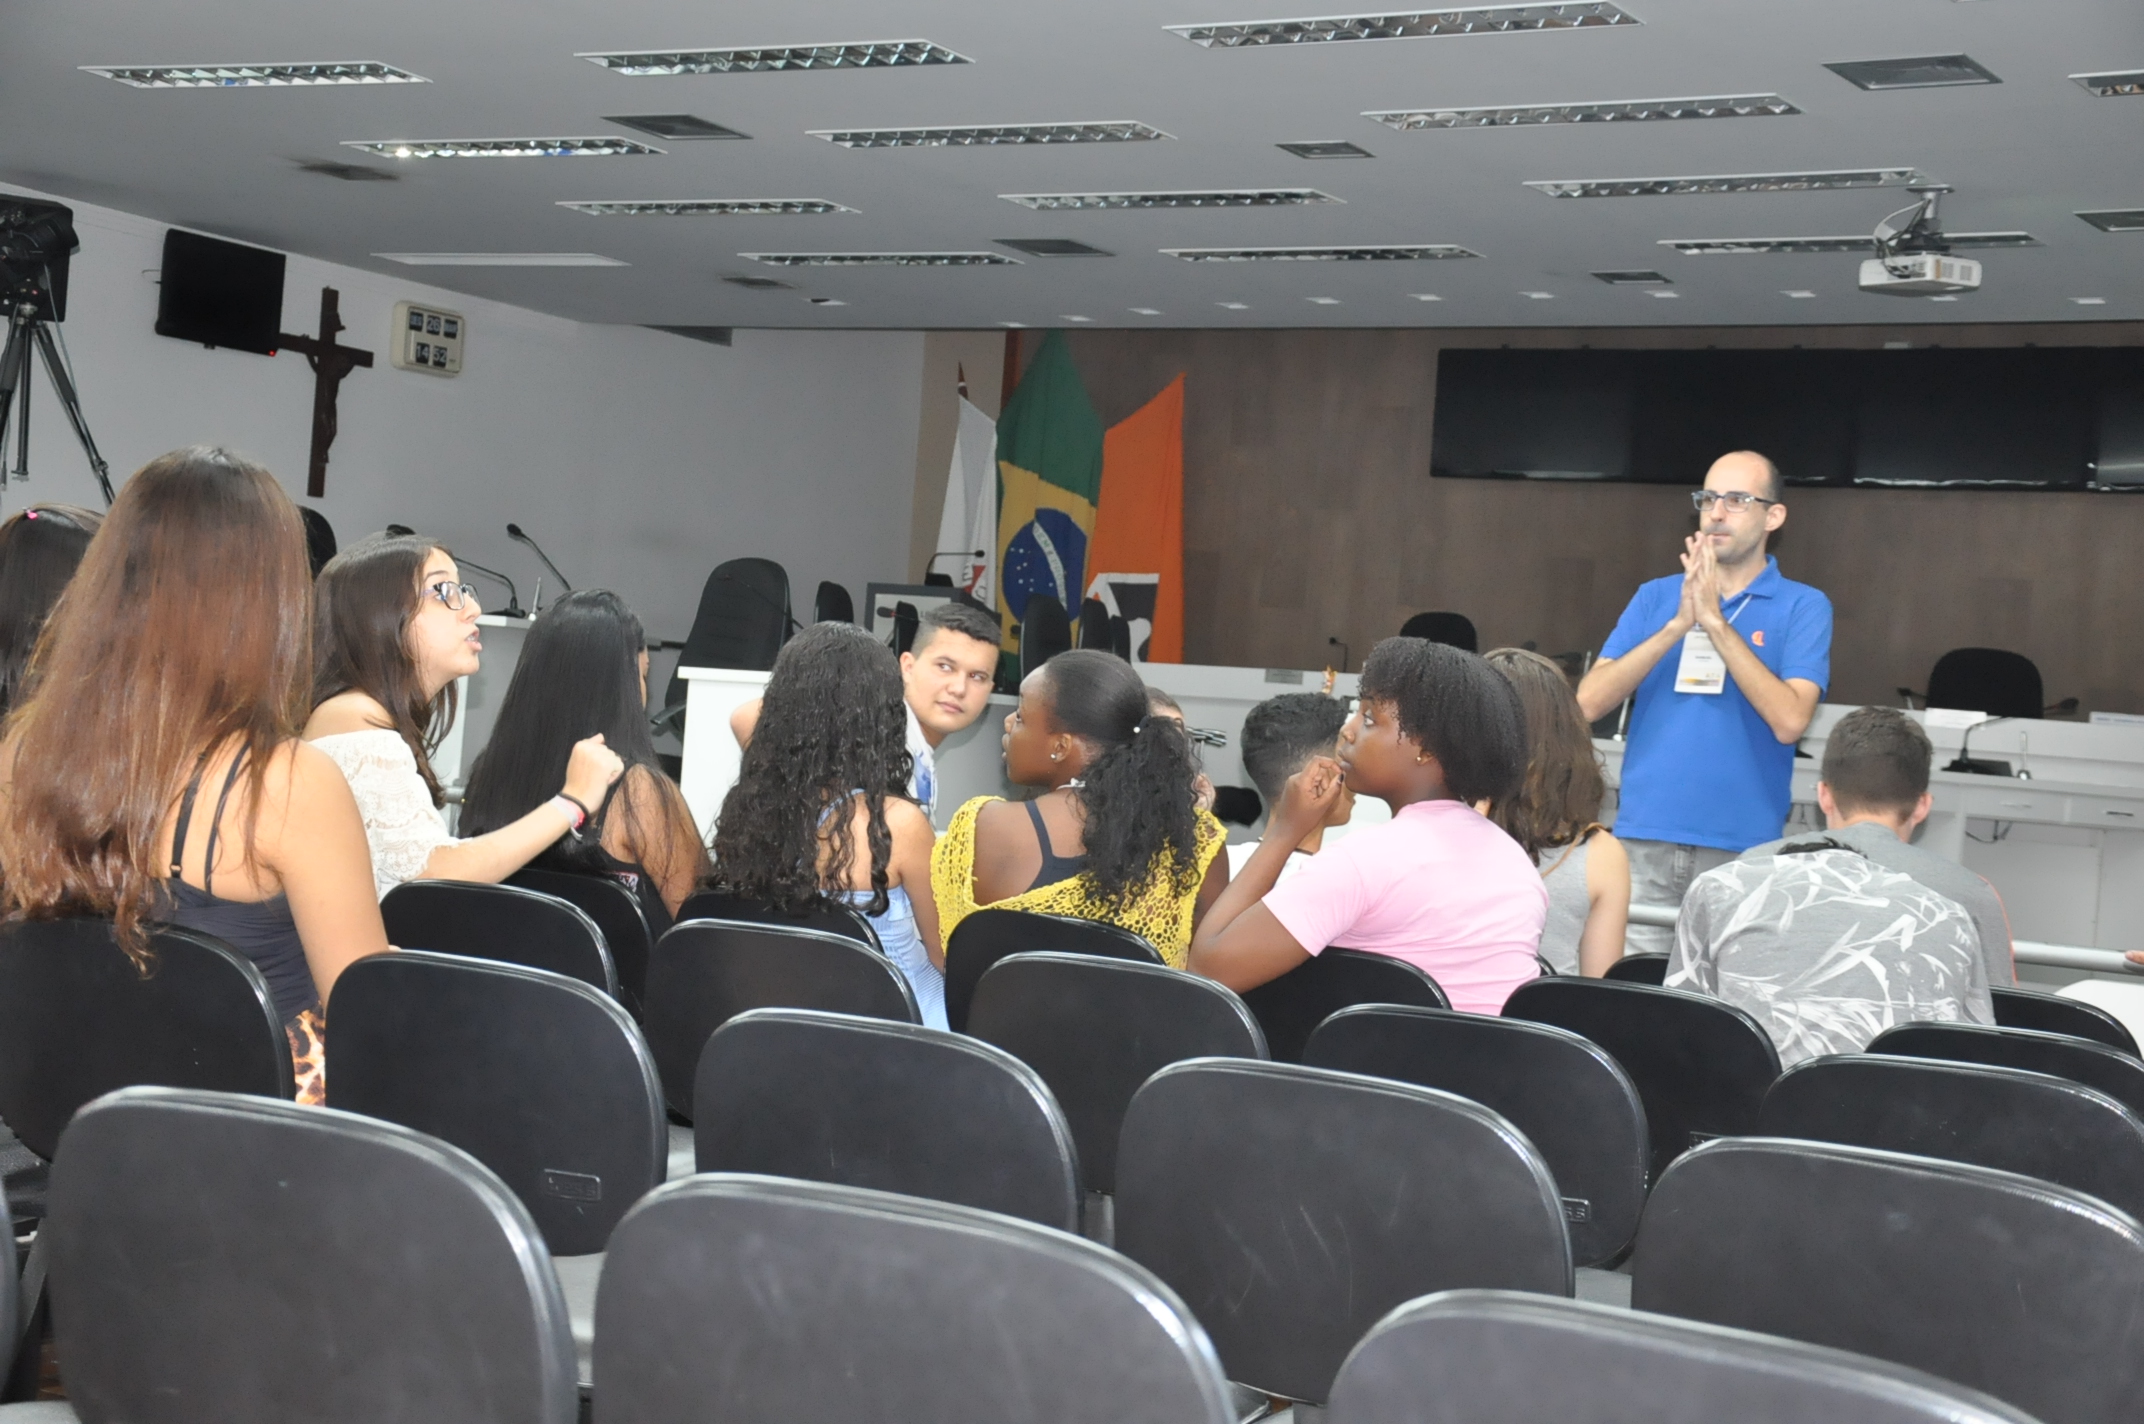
1049 481
1136 562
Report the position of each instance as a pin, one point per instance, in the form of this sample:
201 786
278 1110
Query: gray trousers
1660 872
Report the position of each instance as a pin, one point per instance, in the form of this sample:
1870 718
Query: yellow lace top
1160 916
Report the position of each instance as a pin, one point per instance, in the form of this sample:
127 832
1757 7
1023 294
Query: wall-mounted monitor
220 293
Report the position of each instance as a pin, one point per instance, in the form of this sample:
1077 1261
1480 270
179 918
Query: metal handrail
2024 951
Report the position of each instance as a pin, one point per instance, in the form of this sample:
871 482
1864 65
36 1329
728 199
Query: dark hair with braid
833 724
1136 795
1460 710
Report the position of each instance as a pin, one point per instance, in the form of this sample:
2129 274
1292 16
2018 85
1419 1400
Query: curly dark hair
833 724
1139 816
1460 710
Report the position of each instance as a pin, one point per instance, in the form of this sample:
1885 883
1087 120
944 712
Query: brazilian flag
1049 477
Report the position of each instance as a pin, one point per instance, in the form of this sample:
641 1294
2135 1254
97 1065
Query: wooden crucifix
330 364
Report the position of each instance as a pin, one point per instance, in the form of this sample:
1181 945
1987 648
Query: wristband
575 809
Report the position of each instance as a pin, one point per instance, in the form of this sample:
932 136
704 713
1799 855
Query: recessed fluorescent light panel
1418 24
1934 71
709 207
1856 242
1428 252
2116 219
674 126
1725 183
862 54
2108 86
1608 111
882 259
252 76
1634 279
2089 301
1212 198
502 147
1147 311
988 136
1051 247
1328 148
499 259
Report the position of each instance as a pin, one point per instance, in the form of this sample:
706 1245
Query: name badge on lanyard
1702 669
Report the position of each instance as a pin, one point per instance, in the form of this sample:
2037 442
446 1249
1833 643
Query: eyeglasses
456 596
1736 500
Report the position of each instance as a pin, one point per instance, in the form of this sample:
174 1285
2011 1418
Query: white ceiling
2024 154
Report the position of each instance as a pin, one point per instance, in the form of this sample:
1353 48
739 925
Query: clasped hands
1700 603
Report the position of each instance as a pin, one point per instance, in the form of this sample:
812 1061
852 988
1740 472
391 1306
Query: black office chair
742 622
1292 1207
1093 631
2017 1287
1455 629
832 604
1639 969
2033 1124
891 1308
1120 636
987 936
827 917
706 972
1096 1029
319 537
1567 1095
541 1078
1701 1066
1989 680
2119 1075
1505 1357
218 1257
1291 1007
893 1107
1045 631
618 913
2052 1013
907 622
501 922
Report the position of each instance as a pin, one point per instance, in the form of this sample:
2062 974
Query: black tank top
261 930
1055 867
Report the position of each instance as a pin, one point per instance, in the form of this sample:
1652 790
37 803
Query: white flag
969 521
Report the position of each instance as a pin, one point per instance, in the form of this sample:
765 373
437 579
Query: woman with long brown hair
40 548
153 770
395 626
1553 816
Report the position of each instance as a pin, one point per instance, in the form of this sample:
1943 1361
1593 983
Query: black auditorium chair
1454 628
502 922
832 604
1700 1066
1291 1007
1292 1207
706 972
1990 680
319 537
217 1257
829 917
617 912
742 622
1045 631
1120 636
907 622
890 1106
1505 1357
10 1299
2119 1075
987 936
2033 1124
2052 1013
1093 630
1095 1029
891 1308
1566 1094
2020 1288
1639 969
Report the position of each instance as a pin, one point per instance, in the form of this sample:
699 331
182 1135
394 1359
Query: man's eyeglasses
456 596
1736 500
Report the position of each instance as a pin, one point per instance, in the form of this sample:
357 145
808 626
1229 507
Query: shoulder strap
186 817
215 827
1042 832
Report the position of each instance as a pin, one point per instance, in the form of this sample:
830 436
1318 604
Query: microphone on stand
513 531
1966 760
513 599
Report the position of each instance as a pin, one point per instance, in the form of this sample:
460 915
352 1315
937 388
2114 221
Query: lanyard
1747 595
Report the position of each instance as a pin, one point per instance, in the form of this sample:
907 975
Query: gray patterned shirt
1826 949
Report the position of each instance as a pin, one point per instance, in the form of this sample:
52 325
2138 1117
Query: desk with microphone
515 533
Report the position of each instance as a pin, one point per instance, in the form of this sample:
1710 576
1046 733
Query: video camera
36 240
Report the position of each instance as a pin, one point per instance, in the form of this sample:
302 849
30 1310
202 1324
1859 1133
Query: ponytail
1141 815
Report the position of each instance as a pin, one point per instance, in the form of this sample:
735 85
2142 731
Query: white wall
639 459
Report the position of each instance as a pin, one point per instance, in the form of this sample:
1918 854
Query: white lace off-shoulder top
402 826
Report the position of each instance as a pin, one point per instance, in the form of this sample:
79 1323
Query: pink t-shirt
1440 885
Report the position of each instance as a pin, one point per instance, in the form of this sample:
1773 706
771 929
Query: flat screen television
220 293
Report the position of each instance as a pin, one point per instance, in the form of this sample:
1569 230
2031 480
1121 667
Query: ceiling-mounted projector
1912 259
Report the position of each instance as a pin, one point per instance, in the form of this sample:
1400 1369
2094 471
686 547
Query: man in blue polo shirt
1728 662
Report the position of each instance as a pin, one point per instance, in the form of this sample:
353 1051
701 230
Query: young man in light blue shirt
1727 663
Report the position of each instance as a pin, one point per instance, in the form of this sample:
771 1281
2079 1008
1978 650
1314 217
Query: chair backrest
1093 629
541 1078
987 936
216 1257
319 537
1095 1029
617 912
907 622
2053 1013
2117 1074
1577 1108
742 622
894 1107
2033 1124
77 1020
1120 636
1454 628
1503 1357
891 1308
832 604
845 920
501 922
1701 1066
1292 1207
1990 680
2020 1288
1639 969
706 972
1045 631
1291 1007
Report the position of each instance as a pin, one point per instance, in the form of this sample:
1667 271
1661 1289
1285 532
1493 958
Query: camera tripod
26 328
